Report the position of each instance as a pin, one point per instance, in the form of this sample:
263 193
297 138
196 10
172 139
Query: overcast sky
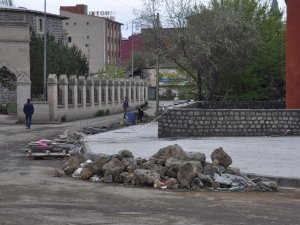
124 8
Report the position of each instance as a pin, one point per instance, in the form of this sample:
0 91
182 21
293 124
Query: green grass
12 108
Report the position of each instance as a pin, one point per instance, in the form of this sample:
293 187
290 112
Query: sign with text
107 14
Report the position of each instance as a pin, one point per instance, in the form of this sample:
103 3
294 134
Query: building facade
35 19
99 38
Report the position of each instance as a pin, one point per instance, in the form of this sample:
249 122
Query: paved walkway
272 156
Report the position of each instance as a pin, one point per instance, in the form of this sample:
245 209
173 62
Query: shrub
100 113
64 118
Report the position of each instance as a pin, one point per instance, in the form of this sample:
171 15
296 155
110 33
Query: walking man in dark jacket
125 106
28 110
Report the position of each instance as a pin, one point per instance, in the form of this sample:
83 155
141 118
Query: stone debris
69 143
170 168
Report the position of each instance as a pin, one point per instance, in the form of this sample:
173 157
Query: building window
70 96
74 23
60 100
40 25
67 23
87 37
87 23
79 100
69 39
110 94
88 96
103 94
96 98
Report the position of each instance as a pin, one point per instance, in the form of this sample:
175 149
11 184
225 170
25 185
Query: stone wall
54 22
7 95
183 122
238 105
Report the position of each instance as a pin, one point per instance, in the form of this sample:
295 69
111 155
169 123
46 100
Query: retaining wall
238 105
187 122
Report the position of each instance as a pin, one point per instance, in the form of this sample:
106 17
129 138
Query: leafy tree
213 44
61 59
7 78
264 76
112 71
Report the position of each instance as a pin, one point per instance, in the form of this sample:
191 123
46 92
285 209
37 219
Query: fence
78 98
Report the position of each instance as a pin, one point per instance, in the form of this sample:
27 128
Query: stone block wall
238 105
54 23
183 122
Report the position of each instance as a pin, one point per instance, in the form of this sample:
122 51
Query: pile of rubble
69 143
170 168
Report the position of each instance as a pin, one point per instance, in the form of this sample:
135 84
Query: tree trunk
199 88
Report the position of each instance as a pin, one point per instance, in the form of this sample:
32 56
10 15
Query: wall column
23 93
52 96
293 55
63 82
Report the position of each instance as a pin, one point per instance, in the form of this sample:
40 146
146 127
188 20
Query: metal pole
132 49
89 55
157 71
45 50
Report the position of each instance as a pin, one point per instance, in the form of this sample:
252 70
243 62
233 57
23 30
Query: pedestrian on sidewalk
125 107
28 110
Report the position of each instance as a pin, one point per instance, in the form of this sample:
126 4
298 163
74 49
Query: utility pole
157 69
132 58
45 51
88 57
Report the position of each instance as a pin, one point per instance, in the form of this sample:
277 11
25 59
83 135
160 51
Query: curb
281 181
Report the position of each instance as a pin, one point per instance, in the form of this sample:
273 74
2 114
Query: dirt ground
31 195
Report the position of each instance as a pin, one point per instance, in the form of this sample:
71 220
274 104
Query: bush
64 118
100 113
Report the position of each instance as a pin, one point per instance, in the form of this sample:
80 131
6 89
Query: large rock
188 172
129 161
172 183
154 167
96 166
171 151
114 167
195 156
207 180
220 155
126 153
145 177
157 161
73 164
127 178
86 174
174 165
209 170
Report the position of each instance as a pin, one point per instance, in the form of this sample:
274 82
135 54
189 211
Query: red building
293 55
126 47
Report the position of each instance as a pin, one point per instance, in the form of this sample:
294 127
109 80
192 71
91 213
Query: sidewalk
12 132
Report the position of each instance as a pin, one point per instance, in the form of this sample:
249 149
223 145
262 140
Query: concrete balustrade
79 97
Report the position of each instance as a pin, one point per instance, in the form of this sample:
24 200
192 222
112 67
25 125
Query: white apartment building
99 38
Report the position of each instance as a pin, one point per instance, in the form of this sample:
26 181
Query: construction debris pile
170 168
67 144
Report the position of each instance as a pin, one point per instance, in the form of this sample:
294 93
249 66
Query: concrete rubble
69 143
170 168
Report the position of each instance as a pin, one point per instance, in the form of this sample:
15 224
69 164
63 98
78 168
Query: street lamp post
45 50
